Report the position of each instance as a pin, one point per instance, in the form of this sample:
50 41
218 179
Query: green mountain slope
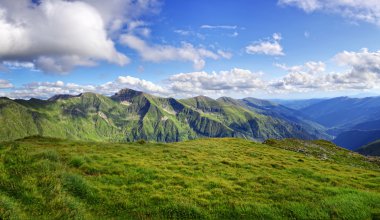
45 178
303 123
132 115
354 139
372 149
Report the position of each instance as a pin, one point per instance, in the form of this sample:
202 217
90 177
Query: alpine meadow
165 109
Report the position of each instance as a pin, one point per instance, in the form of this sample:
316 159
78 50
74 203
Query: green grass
45 178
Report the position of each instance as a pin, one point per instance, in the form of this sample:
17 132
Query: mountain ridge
130 115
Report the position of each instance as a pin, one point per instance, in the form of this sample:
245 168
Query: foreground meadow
43 178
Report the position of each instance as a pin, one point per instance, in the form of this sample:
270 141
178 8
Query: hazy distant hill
354 139
354 121
368 125
344 112
297 103
131 115
372 148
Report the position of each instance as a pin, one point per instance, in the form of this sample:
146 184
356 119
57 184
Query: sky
288 49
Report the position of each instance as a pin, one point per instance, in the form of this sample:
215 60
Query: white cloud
311 67
360 62
231 27
58 35
18 65
189 33
363 72
138 84
158 53
182 32
360 10
306 5
224 54
268 47
277 37
228 28
115 13
45 90
4 84
235 34
234 80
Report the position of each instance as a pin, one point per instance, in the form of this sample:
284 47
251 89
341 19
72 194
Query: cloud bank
362 73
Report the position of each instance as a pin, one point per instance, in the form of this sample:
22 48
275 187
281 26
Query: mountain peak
203 97
62 96
126 94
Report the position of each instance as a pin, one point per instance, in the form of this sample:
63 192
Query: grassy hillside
291 116
229 178
132 115
261 122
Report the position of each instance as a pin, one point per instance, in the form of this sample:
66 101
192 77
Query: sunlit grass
205 179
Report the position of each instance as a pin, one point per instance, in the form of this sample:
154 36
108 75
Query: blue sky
266 49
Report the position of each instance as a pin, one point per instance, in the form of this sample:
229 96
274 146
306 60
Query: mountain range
354 122
131 115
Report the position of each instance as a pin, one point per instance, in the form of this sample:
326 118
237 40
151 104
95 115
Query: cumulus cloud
270 47
234 80
5 84
366 10
58 35
54 36
361 62
311 67
45 90
178 85
158 53
116 13
138 84
363 72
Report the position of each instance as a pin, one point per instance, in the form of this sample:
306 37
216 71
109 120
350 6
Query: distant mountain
278 111
344 112
353 121
131 115
372 149
297 103
354 139
368 125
